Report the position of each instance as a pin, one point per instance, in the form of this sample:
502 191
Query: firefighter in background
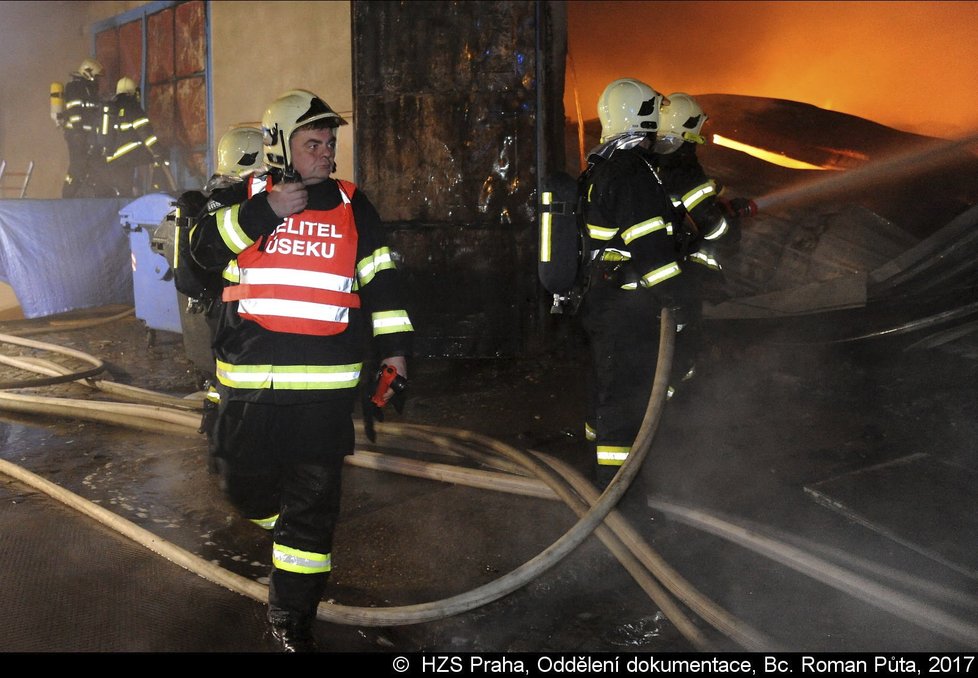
635 271
239 157
130 146
80 121
313 278
712 221
707 227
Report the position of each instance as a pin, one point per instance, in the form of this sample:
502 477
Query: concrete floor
820 491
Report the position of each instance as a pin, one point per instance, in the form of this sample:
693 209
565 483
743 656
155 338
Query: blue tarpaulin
62 255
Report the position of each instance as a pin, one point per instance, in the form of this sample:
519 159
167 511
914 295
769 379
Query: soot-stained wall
448 147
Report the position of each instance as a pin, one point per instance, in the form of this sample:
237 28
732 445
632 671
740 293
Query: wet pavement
820 490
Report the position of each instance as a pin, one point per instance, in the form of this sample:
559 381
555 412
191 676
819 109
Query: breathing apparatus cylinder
57 101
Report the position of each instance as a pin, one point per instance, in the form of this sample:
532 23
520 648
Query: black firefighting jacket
701 225
280 361
629 220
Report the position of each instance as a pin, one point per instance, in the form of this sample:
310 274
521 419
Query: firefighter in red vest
309 274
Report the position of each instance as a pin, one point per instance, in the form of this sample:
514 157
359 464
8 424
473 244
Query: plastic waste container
152 277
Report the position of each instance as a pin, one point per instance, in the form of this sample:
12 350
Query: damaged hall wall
459 105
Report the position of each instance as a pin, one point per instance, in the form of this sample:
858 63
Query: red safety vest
301 277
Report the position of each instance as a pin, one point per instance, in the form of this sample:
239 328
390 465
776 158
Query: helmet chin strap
289 175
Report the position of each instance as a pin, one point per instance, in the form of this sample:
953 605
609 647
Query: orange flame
769 156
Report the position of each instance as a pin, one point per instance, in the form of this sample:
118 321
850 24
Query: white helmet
239 152
682 118
628 106
125 85
285 115
90 69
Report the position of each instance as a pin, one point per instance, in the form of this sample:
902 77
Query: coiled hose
554 480
591 509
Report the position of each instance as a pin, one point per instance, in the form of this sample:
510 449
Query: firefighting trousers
622 328
281 467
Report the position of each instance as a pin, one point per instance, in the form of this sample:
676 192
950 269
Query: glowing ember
769 156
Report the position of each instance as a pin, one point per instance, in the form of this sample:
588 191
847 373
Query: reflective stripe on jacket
289 377
628 215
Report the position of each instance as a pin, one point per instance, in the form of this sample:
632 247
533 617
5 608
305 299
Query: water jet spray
919 159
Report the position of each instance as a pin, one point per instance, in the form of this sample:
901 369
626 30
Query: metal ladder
23 187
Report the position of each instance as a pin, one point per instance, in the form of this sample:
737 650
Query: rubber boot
292 602
293 632
603 475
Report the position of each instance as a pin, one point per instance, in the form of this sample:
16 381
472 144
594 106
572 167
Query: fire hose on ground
163 419
554 480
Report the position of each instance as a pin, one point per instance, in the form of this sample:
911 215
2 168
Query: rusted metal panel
161 111
446 113
191 115
196 162
107 52
131 51
159 46
190 39
191 124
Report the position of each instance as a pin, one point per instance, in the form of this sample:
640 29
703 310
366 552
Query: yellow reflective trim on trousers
266 523
589 433
289 377
372 264
230 230
601 232
643 228
302 562
388 322
612 455
661 274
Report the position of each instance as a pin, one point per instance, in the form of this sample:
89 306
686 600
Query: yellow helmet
125 85
628 106
239 152
681 118
90 69
285 115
